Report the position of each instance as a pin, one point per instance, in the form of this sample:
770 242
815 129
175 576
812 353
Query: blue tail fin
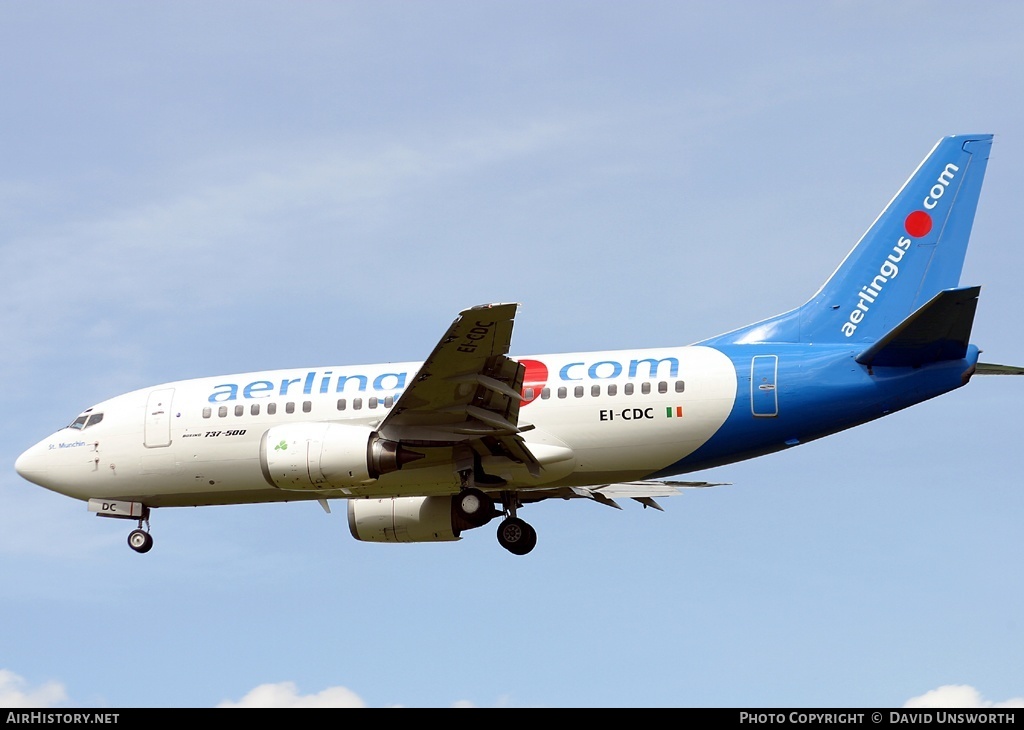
913 250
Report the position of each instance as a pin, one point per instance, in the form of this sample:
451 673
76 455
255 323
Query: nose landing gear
139 539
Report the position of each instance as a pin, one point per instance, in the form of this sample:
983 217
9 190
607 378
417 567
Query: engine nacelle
328 456
403 519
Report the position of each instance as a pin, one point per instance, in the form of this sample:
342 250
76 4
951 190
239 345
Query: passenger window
389 401
545 393
613 389
528 394
307 406
207 412
372 402
662 387
680 386
357 403
578 391
289 407
595 390
255 409
645 388
628 389
271 409
239 410
562 392
341 404
222 412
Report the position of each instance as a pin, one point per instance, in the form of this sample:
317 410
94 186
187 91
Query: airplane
424 451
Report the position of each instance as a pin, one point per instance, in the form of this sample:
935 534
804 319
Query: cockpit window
85 420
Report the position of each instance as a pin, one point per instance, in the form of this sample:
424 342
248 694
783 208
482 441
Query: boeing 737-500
423 451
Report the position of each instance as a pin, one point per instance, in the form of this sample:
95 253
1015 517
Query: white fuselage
590 418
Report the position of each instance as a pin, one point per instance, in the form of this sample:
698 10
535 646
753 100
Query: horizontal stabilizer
939 330
986 368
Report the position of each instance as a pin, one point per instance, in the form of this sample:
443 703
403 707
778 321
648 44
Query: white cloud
286 694
15 692
959 696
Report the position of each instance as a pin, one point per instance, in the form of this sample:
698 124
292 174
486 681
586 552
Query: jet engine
403 519
328 456
419 519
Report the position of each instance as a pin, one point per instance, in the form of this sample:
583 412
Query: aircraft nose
31 465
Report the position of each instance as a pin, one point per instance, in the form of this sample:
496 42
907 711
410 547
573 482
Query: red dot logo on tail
535 379
918 224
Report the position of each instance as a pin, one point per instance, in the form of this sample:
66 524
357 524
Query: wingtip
494 305
491 305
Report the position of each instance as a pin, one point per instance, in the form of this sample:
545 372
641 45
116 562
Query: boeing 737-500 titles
423 451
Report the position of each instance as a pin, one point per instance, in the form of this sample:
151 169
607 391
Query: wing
468 390
643 492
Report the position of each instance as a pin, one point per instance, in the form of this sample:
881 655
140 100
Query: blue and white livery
422 451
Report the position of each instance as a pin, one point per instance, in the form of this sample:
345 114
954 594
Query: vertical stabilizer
913 250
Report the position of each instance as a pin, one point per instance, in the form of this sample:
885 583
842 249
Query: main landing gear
517 536
474 508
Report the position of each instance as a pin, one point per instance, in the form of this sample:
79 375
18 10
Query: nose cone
32 464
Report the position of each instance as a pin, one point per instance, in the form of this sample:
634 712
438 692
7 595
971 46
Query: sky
196 188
